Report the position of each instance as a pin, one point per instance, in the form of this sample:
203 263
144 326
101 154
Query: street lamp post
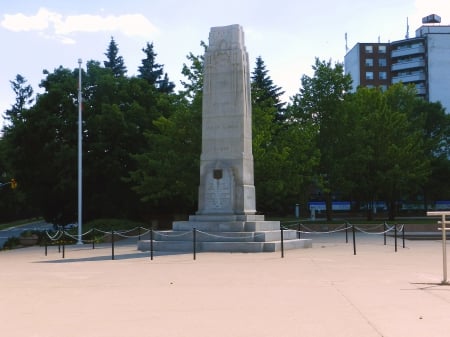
80 159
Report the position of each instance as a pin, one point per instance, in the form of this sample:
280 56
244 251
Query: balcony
407 78
403 65
408 50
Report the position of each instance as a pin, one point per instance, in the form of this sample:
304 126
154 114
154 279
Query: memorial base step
238 247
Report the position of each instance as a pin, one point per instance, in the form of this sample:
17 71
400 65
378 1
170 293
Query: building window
369 75
383 87
368 49
382 49
382 75
382 62
369 62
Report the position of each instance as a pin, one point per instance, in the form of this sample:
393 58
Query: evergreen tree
24 97
153 72
114 61
264 89
165 85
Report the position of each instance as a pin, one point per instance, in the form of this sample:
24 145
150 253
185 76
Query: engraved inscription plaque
219 190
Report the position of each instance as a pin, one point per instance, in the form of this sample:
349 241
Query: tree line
142 142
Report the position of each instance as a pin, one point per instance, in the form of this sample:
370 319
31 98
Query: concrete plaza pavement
321 291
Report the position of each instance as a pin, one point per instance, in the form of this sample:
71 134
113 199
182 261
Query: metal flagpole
80 159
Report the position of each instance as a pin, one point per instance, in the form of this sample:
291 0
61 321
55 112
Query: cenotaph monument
226 218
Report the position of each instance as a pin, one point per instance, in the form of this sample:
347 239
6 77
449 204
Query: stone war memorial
226 220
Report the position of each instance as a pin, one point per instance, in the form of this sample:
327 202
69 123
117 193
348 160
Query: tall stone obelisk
226 166
226 219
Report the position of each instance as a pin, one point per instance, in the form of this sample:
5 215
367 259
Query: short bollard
63 248
403 235
112 244
346 232
151 243
194 239
46 247
395 236
282 241
298 231
384 232
354 240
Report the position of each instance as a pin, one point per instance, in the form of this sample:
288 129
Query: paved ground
322 291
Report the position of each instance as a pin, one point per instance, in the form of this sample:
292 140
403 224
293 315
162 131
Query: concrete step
230 226
201 236
242 247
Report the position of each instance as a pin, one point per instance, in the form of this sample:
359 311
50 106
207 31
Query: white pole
80 159
444 245
444 239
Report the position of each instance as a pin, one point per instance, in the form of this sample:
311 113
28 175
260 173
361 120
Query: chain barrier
346 226
61 234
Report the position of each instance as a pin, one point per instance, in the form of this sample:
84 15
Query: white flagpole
80 160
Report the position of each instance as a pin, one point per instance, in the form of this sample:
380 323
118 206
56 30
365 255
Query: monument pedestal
225 233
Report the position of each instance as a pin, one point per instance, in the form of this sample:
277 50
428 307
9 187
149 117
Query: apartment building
369 65
423 60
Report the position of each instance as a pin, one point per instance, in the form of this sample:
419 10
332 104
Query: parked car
68 226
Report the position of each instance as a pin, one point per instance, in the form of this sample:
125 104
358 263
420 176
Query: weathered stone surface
226 219
226 163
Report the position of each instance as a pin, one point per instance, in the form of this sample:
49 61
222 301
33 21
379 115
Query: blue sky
287 34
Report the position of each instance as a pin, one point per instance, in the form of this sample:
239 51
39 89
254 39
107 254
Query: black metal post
403 235
139 232
93 238
384 232
45 243
151 243
354 240
282 241
194 239
346 232
63 248
395 235
299 234
112 244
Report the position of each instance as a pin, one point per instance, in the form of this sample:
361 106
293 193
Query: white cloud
56 26
22 23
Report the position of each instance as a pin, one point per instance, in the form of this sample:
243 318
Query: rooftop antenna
346 46
407 29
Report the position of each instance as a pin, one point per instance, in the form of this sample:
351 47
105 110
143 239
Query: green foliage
114 62
318 103
113 224
24 98
153 72
167 175
284 154
264 90
142 142
194 74
383 157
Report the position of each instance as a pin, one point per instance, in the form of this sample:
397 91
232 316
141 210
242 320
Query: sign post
444 228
